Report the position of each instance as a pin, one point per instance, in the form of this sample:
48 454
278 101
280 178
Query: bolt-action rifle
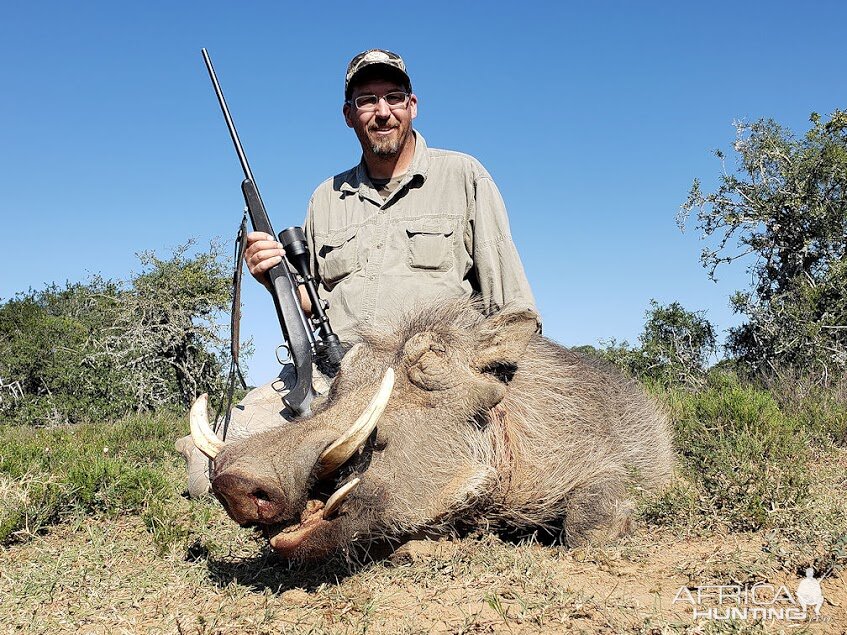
307 339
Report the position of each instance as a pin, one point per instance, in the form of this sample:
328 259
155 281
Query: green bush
820 408
745 460
750 458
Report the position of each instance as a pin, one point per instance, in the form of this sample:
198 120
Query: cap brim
377 69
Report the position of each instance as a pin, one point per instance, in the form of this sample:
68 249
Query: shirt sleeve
499 271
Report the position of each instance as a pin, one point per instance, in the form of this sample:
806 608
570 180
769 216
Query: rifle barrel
248 174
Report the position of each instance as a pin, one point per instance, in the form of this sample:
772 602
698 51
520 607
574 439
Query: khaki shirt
443 233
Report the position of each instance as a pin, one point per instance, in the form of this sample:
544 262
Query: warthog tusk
201 433
349 443
338 497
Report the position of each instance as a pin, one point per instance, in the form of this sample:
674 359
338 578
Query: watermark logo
809 592
760 601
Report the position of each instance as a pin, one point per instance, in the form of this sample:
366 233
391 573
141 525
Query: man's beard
387 148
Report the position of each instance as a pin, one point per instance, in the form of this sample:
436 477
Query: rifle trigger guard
287 359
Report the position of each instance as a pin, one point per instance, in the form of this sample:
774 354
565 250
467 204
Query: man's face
383 131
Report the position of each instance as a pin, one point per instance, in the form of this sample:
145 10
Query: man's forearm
305 302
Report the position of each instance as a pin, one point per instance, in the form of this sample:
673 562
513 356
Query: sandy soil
107 577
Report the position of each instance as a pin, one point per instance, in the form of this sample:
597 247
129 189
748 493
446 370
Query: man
408 225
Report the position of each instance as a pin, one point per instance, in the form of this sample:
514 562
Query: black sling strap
225 405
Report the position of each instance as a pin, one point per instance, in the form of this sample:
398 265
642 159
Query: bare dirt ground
107 577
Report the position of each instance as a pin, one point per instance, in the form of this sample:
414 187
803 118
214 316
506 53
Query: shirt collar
361 182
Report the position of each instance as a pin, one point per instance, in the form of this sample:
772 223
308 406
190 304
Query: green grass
747 457
744 459
105 469
821 410
752 459
95 532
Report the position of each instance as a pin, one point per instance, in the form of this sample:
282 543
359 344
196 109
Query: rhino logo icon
809 592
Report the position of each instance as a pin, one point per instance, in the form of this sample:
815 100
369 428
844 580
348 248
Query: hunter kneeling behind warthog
472 421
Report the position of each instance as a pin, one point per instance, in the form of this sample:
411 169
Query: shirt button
379 245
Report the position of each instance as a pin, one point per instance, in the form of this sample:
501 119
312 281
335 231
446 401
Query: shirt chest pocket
338 256
430 244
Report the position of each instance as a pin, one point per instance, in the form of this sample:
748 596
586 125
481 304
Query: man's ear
413 106
348 113
503 338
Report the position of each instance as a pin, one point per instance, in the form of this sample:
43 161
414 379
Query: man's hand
263 252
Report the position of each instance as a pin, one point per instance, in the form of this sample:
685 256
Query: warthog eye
502 371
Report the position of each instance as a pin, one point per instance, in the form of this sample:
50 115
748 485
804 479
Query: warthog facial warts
451 419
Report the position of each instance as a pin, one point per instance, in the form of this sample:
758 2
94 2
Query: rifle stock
288 310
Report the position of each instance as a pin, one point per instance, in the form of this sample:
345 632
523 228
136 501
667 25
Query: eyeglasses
396 100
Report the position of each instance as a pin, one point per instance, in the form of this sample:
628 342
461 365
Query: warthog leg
597 513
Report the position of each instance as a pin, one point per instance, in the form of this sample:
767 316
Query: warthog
472 421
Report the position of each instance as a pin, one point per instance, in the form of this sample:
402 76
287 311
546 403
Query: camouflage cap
373 57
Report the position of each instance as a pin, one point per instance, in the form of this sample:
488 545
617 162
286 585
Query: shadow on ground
268 571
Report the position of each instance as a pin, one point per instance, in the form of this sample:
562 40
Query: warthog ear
503 338
432 365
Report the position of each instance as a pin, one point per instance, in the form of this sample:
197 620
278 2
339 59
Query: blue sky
593 118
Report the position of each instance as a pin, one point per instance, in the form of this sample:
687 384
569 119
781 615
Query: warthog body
488 424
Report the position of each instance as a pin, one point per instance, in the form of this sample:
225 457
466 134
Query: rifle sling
225 404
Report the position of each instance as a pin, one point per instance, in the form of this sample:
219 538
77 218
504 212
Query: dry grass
115 576
119 555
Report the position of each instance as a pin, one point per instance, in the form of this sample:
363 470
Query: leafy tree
785 206
100 349
165 333
677 342
45 338
676 346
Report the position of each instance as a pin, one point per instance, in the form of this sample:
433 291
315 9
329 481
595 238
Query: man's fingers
261 244
263 259
261 248
255 236
262 267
